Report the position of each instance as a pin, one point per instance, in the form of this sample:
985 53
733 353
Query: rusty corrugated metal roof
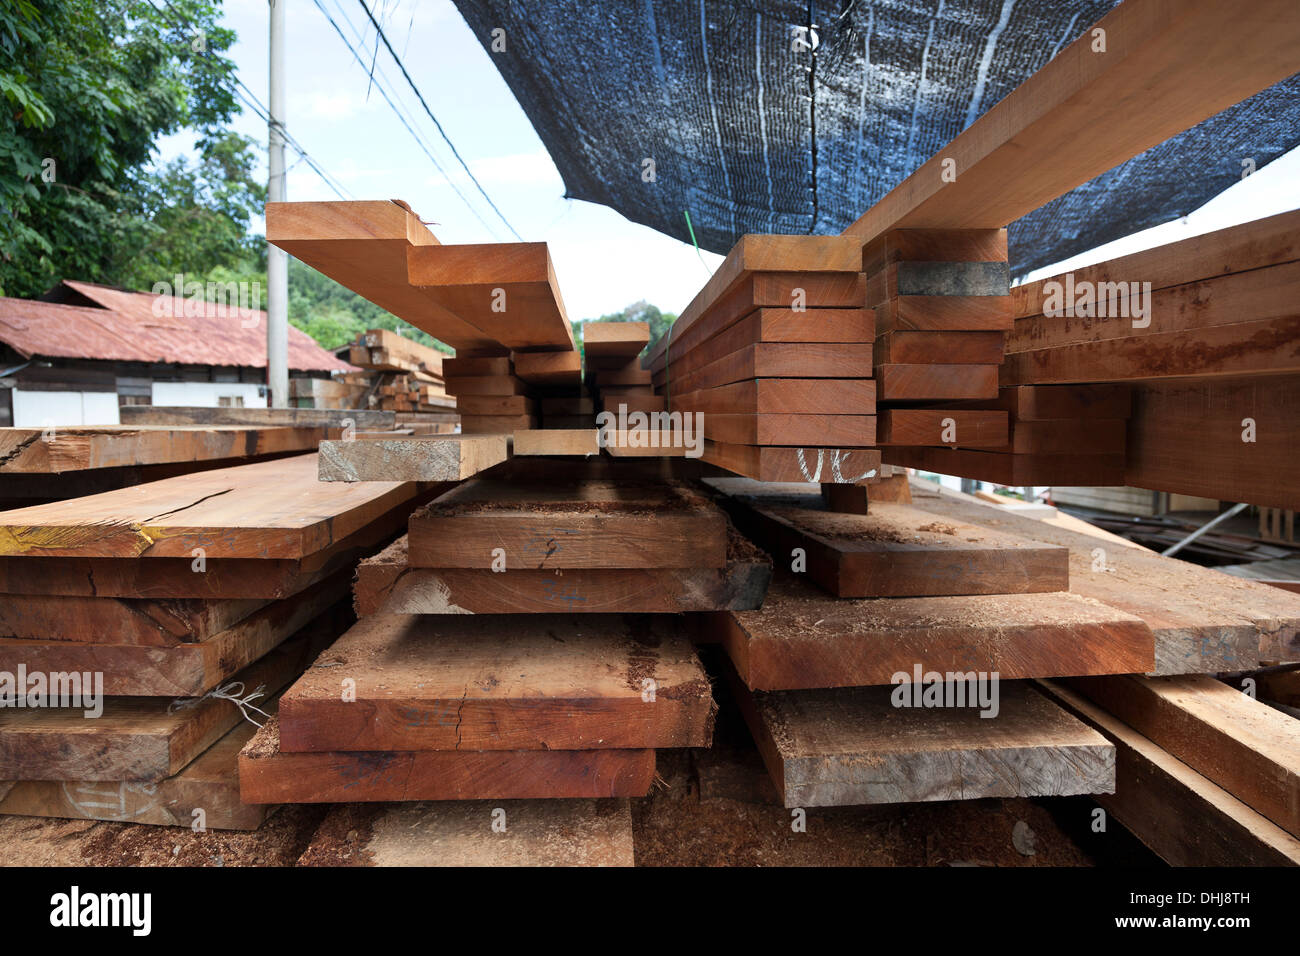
127 327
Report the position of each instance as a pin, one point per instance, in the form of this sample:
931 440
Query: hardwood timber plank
591 524
508 289
459 385
780 360
803 638
387 584
363 245
422 458
268 776
141 621
1257 244
1187 437
944 313
1179 814
1025 151
1204 621
474 683
1244 348
186 669
757 254
775 290
549 368
789 396
1246 747
850 746
177 578
782 429
909 347
935 382
557 441
496 405
209 784
894 550
75 448
182 415
619 339
273 509
934 245
929 426
145 739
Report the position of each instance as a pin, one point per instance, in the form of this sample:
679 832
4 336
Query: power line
401 66
264 114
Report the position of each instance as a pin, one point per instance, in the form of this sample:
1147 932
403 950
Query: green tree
87 89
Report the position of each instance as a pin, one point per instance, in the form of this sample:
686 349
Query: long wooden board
132 670
206 791
182 415
61 449
1204 621
387 584
424 458
141 740
1086 112
894 550
803 638
141 621
268 776
591 524
784 396
1246 747
363 245
473 683
852 746
1179 814
830 465
181 578
274 509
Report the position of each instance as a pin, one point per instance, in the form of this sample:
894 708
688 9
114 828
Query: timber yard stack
193 601
540 607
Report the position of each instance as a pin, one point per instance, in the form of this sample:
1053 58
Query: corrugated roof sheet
126 327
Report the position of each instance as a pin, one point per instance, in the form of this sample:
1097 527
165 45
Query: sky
603 261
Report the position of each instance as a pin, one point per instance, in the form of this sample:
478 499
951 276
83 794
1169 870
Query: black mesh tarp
750 130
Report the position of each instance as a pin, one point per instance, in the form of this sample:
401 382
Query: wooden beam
803 638
591 524
1246 747
266 775
427 683
1167 65
386 584
1180 815
852 746
181 415
556 441
433 458
274 509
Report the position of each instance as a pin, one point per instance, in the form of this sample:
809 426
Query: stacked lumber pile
613 374
182 608
490 397
570 702
776 353
349 391
1040 435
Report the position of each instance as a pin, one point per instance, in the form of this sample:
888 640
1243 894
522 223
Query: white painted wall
42 409
206 394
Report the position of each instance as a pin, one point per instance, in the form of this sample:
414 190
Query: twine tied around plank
233 692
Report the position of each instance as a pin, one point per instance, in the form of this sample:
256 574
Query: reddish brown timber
268 776
780 429
935 382
935 426
387 584
779 360
589 524
790 396
908 347
831 465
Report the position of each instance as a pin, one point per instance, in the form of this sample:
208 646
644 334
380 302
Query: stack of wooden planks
776 354
490 397
570 544
1046 435
408 707
163 604
613 374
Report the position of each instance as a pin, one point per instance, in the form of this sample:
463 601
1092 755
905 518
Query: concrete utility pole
277 261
